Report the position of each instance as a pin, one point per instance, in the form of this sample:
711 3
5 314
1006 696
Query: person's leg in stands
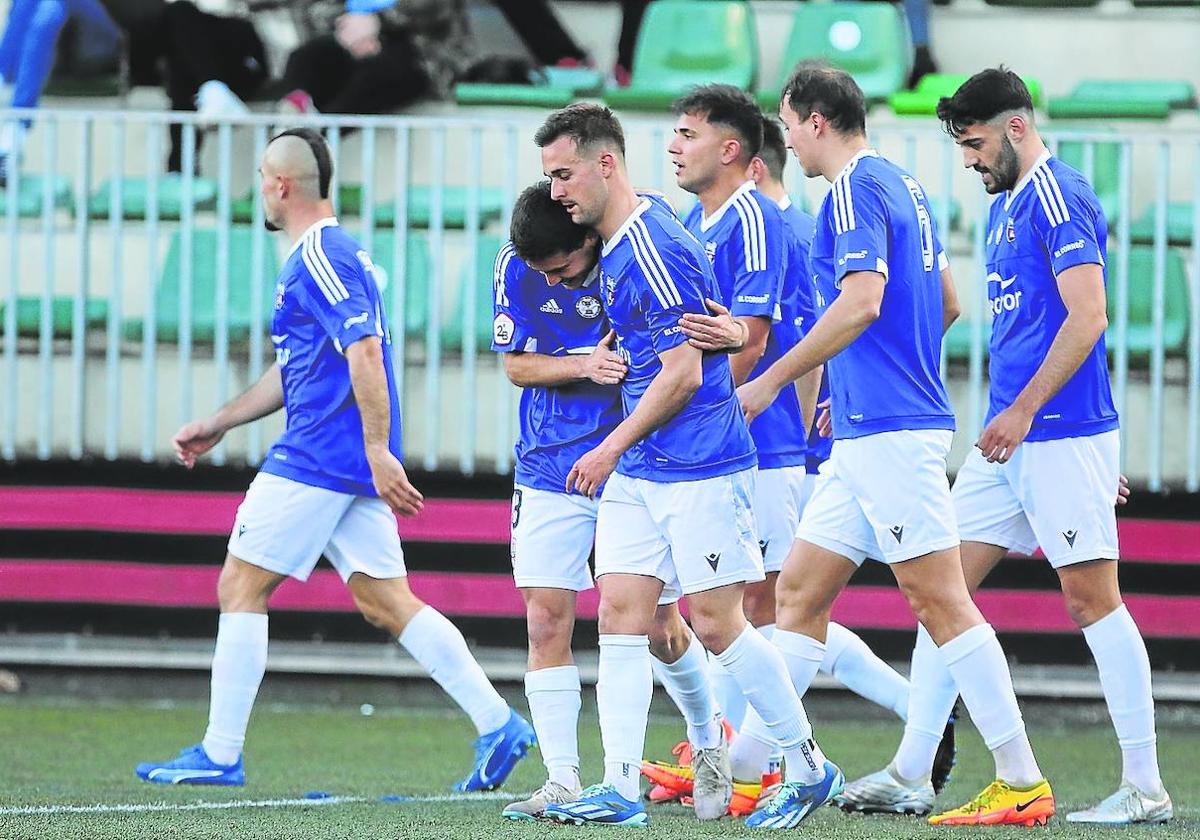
319 68
539 28
632 12
384 82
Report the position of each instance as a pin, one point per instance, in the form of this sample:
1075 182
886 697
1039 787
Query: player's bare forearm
262 398
808 388
742 362
951 309
538 370
681 376
368 379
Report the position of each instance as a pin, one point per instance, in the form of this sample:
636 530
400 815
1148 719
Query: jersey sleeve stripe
652 250
1057 193
500 271
338 286
318 275
1048 204
753 233
652 266
839 224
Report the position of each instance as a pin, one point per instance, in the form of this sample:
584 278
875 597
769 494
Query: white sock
686 681
727 692
752 750
849 661
239 662
931 697
441 650
980 671
624 687
803 655
759 668
554 697
1124 666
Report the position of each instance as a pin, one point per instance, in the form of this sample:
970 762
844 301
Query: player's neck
1030 153
727 182
301 219
773 190
841 154
622 201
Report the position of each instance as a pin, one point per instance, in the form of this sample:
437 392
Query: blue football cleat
599 805
497 753
795 801
193 767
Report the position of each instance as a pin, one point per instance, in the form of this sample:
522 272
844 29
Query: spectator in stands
538 27
631 20
917 12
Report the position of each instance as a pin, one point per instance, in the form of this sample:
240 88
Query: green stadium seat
1069 108
134 192
204 287
62 314
682 43
1180 221
30 194
1145 99
481 275
1044 4
1141 298
923 99
958 340
557 87
420 201
416 278
868 40
1106 171
1183 4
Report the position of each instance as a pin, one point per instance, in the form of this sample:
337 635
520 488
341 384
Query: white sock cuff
244 622
738 646
558 678
966 643
686 660
1112 629
418 624
799 645
837 639
617 640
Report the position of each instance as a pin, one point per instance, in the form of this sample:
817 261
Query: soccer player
675 513
881 276
330 485
1045 468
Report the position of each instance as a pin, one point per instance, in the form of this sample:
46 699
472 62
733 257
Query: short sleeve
1066 223
758 262
670 284
511 330
860 223
336 290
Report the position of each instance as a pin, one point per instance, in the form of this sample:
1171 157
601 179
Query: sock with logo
686 681
980 671
239 662
441 650
624 687
932 693
1124 666
849 661
759 668
555 697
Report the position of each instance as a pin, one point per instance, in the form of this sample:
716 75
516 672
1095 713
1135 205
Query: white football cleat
1127 805
883 792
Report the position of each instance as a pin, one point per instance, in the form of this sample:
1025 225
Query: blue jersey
1050 222
876 218
559 424
653 272
326 299
754 259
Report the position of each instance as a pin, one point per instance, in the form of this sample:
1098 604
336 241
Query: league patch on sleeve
502 330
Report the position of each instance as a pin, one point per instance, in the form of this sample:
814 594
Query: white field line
154 807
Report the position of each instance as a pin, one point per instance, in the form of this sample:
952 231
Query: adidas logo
551 307
897 532
1069 536
713 560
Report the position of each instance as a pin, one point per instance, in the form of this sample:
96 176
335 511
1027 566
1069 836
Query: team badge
502 330
278 296
610 289
710 248
1010 232
588 307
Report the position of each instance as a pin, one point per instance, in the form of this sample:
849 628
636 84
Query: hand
719 331
358 34
754 397
591 471
1122 491
1004 434
392 485
603 366
194 439
824 420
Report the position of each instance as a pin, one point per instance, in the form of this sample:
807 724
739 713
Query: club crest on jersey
588 307
1010 232
502 330
710 248
278 296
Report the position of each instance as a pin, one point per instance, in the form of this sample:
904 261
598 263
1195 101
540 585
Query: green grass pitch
82 753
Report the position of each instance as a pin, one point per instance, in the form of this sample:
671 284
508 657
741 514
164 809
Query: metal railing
444 187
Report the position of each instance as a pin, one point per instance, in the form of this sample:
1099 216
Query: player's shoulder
757 212
330 257
803 225
510 276
1061 194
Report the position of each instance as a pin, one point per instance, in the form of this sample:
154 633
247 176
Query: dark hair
320 149
541 227
774 149
585 123
728 106
983 97
830 92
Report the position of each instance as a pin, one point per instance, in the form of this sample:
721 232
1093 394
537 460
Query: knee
1086 608
797 605
238 591
548 624
669 638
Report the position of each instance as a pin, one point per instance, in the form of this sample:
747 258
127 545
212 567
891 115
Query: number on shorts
516 508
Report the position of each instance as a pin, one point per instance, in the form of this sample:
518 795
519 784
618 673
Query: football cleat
750 796
660 794
1127 805
497 753
946 755
599 805
673 780
534 807
794 801
712 788
883 792
1002 804
193 767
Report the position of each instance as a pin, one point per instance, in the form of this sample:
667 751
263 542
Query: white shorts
284 526
1057 494
883 496
691 535
552 538
779 497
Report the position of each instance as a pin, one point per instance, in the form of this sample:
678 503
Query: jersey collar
328 221
1038 164
853 162
706 222
785 202
642 207
592 275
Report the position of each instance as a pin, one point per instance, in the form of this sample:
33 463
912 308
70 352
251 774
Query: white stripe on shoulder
317 272
652 265
1045 196
754 232
319 249
500 270
1056 193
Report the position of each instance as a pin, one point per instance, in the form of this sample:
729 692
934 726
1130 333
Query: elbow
951 312
690 383
866 312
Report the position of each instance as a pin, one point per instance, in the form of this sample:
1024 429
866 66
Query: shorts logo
241 529
713 560
588 307
502 330
762 546
1069 536
898 533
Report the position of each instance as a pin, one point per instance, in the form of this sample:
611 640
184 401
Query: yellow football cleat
1001 804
